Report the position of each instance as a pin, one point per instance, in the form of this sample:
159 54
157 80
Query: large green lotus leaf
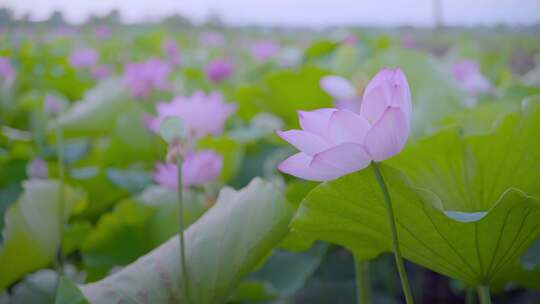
221 247
295 193
96 113
164 222
68 293
283 93
464 206
100 190
131 142
119 237
252 292
320 48
482 119
434 92
471 173
289 91
250 100
30 235
474 247
134 227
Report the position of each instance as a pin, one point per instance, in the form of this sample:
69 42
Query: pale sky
296 12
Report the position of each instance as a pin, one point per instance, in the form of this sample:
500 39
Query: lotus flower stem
61 201
393 230
470 296
483 294
59 261
184 279
363 288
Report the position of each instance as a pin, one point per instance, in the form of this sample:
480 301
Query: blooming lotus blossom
6 69
100 72
467 74
199 168
211 38
171 50
83 58
219 70
37 169
102 31
343 92
335 142
201 114
142 77
264 50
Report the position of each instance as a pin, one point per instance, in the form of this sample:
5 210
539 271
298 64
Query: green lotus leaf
225 244
31 232
466 206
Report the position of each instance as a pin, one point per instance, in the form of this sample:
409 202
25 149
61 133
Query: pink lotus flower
334 142
102 31
351 40
83 58
53 106
219 70
211 39
467 74
141 78
37 168
343 92
201 114
6 69
171 50
198 169
264 50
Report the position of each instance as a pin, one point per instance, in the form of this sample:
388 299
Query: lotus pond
168 163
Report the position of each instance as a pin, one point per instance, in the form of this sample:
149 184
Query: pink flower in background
102 31
100 72
6 68
37 168
142 77
264 50
343 92
199 168
53 106
334 142
170 47
219 70
468 75
210 39
351 40
201 114
83 58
